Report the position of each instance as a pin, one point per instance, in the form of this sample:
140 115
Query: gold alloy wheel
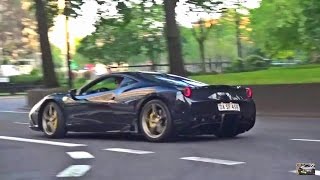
50 120
154 121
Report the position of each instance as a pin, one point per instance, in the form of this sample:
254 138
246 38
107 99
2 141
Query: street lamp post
68 45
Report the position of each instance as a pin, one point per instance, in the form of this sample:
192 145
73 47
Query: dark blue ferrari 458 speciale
157 105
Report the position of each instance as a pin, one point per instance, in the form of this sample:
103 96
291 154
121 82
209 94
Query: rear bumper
205 118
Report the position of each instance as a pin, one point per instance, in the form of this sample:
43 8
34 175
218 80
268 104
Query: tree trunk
203 60
173 39
153 61
238 33
49 75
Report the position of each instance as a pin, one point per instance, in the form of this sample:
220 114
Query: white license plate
228 107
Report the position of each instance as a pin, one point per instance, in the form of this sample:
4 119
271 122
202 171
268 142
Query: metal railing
217 67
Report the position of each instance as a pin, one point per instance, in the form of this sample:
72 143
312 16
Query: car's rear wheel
53 123
155 121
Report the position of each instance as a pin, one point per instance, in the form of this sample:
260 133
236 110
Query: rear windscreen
173 80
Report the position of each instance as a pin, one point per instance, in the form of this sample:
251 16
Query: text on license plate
228 107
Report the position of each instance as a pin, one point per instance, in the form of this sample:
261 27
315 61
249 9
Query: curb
12 97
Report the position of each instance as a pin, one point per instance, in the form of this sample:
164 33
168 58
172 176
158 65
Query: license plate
228 107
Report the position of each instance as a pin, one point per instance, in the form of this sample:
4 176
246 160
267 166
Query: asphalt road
266 152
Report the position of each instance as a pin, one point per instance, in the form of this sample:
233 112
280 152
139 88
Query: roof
136 73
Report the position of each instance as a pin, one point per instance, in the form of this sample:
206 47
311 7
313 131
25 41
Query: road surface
270 151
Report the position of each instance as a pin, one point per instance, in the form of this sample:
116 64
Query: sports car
157 105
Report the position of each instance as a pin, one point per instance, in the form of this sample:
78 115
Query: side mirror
73 93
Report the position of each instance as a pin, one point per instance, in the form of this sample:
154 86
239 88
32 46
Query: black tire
168 133
60 130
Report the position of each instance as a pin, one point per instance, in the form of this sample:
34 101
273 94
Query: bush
255 62
236 66
35 72
26 79
80 82
250 63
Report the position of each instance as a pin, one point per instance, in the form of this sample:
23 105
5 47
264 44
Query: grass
279 75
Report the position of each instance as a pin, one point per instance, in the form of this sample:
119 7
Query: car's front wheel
53 123
155 121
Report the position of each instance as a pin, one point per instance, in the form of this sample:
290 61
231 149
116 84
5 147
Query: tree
171 28
173 39
49 76
17 31
281 30
200 32
111 43
172 31
309 28
119 38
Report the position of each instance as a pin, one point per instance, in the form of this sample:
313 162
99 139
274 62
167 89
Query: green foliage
5 62
287 29
117 39
310 28
276 26
254 62
190 46
250 63
118 44
81 81
52 10
220 44
237 66
35 72
57 56
81 60
291 75
26 79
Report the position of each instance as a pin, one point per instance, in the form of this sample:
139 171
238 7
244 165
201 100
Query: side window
127 81
107 84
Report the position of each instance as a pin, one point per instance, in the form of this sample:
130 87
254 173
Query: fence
218 67
11 88
190 68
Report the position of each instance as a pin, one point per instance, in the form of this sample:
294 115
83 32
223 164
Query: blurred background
65 43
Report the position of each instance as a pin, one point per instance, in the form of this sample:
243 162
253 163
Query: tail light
249 92
187 92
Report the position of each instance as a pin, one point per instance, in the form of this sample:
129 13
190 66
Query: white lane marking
309 140
21 123
74 171
132 151
317 172
209 160
55 143
80 155
18 112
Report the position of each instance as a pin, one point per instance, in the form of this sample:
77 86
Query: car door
122 105
92 111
